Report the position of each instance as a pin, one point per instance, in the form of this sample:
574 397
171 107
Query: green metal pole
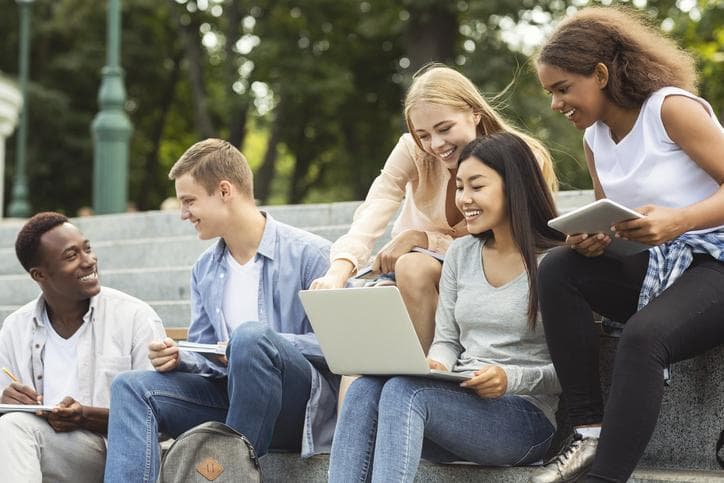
111 127
19 206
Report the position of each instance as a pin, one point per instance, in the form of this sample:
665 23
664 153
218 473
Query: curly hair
640 59
27 244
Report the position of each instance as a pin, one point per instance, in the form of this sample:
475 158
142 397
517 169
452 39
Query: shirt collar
40 308
266 245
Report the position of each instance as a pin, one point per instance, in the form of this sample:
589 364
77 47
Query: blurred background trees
310 91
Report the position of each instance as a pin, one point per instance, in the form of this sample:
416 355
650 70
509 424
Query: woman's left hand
387 257
659 225
489 382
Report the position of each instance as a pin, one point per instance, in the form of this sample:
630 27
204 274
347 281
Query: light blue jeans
264 397
384 423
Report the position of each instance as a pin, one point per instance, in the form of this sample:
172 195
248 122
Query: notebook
367 331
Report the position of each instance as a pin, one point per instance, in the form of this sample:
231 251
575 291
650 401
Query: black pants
685 320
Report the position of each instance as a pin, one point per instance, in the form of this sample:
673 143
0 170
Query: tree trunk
431 34
238 105
150 183
263 179
189 33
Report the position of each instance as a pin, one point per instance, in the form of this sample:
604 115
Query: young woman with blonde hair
444 111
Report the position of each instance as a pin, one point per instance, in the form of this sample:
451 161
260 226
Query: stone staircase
149 255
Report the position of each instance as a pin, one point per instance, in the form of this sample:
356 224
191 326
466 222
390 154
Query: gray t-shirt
477 324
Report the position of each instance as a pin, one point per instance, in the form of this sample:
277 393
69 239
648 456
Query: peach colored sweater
419 182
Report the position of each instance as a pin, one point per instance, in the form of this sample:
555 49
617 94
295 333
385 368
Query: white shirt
60 360
647 166
119 329
241 292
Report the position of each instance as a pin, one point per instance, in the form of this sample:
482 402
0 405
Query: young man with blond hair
272 385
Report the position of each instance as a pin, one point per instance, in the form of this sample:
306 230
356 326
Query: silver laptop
368 331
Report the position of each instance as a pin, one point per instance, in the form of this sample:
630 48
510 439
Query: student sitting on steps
654 146
272 385
487 327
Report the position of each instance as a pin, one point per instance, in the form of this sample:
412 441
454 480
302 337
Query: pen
10 374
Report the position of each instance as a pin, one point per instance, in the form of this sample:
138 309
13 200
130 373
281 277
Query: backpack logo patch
210 469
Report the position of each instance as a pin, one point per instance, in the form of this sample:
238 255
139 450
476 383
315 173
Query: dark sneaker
571 464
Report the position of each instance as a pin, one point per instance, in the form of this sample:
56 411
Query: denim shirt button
221 275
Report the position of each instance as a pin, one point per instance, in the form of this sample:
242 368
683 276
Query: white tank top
646 166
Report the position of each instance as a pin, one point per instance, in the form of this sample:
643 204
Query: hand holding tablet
599 217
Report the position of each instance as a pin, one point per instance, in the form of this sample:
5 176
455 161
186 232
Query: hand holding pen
18 393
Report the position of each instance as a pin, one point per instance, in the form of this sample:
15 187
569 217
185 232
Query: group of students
511 307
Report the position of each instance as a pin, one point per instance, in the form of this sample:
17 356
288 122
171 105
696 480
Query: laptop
367 331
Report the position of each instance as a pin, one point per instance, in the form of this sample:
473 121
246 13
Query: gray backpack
211 451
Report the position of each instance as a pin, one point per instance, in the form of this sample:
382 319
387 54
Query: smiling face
205 211
69 267
578 97
480 196
443 131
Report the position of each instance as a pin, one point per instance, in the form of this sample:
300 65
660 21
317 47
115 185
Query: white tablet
598 217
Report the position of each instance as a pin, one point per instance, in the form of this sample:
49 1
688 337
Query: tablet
598 217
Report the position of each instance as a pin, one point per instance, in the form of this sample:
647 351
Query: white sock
589 431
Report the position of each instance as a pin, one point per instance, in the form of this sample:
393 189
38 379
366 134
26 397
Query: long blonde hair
439 84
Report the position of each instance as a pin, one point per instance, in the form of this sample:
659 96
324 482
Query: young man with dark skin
63 350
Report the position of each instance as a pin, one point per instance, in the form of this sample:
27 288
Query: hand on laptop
438 366
489 382
336 276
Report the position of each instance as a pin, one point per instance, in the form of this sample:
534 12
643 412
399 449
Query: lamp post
111 127
19 206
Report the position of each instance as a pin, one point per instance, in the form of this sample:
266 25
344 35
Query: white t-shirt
241 293
60 363
647 166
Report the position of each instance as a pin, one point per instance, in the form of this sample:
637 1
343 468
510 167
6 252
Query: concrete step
162 283
149 224
156 252
286 467
570 200
173 313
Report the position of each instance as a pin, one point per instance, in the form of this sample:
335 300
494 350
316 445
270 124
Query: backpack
211 451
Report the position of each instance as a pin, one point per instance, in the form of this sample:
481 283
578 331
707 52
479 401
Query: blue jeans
384 423
264 397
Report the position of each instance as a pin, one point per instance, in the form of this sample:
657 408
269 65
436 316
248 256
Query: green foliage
311 90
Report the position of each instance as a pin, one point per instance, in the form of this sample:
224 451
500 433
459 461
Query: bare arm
689 125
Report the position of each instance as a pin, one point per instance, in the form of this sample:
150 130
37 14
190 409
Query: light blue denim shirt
290 259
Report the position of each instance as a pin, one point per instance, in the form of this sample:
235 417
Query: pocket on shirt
108 367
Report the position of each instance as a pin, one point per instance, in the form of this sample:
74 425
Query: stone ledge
286 467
